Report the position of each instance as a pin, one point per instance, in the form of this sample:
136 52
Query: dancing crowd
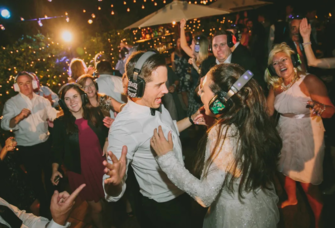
257 101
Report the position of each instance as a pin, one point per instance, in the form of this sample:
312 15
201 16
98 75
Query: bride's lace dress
257 209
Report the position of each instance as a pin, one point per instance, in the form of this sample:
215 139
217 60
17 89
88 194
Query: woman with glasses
302 102
106 103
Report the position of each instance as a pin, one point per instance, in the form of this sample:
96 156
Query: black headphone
295 62
222 101
230 42
197 44
83 96
136 84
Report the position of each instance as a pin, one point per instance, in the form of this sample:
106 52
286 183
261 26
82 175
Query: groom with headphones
26 114
162 203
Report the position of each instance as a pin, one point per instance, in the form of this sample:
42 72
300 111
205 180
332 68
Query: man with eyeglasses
26 114
227 49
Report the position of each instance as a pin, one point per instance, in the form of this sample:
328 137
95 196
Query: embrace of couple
235 162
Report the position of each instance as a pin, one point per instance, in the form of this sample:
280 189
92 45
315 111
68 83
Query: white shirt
112 86
29 220
33 129
228 60
134 127
46 91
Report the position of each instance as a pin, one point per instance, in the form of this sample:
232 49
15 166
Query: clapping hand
159 143
62 203
117 170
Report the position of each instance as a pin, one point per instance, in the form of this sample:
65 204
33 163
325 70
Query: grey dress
257 209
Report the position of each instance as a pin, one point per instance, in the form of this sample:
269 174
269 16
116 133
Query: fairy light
124 3
84 11
128 9
93 15
99 8
90 21
112 12
142 6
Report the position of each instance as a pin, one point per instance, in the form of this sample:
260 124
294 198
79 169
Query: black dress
15 188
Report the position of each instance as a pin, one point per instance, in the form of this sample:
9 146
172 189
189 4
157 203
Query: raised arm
183 42
325 63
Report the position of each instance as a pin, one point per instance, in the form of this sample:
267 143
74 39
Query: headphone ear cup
35 85
230 40
16 87
295 60
136 88
62 104
272 70
216 105
84 99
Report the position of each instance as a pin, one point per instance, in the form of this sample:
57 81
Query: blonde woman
77 68
302 102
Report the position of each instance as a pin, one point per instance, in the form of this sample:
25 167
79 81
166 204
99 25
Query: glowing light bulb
128 9
112 12
90 21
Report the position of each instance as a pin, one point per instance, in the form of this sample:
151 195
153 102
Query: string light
93 15
90 21
142 6
128 9
84 11
112 12
125 3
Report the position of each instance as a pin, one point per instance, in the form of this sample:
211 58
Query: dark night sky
104 21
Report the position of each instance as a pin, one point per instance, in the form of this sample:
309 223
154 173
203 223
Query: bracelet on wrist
190 118
307 43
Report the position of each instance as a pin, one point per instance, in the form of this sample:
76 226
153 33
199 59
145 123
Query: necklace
286 87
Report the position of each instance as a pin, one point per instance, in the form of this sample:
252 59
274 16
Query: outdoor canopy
237 5
175 11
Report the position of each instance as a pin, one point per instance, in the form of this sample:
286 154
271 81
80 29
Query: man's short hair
148 67
220 32
104 66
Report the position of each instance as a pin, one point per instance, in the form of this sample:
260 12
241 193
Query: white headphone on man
34 82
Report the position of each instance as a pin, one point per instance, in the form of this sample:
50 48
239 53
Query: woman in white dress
237 159
302 102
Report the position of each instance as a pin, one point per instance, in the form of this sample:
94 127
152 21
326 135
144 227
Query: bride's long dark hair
259 143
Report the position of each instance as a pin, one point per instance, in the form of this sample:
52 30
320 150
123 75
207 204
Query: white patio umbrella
237 5
175 11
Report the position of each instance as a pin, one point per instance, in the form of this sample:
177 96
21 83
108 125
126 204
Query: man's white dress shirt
29 220
33 129
134 127
46 91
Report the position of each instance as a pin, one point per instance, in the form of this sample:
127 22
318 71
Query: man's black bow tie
153 110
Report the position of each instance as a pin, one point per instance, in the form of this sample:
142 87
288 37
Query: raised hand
62 203
305 29
117 170
182 23
158 142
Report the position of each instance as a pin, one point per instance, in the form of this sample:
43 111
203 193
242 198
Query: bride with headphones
237 157
78 140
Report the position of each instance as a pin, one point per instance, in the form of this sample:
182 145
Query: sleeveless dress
303 138
91 160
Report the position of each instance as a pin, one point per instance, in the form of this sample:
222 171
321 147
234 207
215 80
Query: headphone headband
136 84
71 83
222 100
